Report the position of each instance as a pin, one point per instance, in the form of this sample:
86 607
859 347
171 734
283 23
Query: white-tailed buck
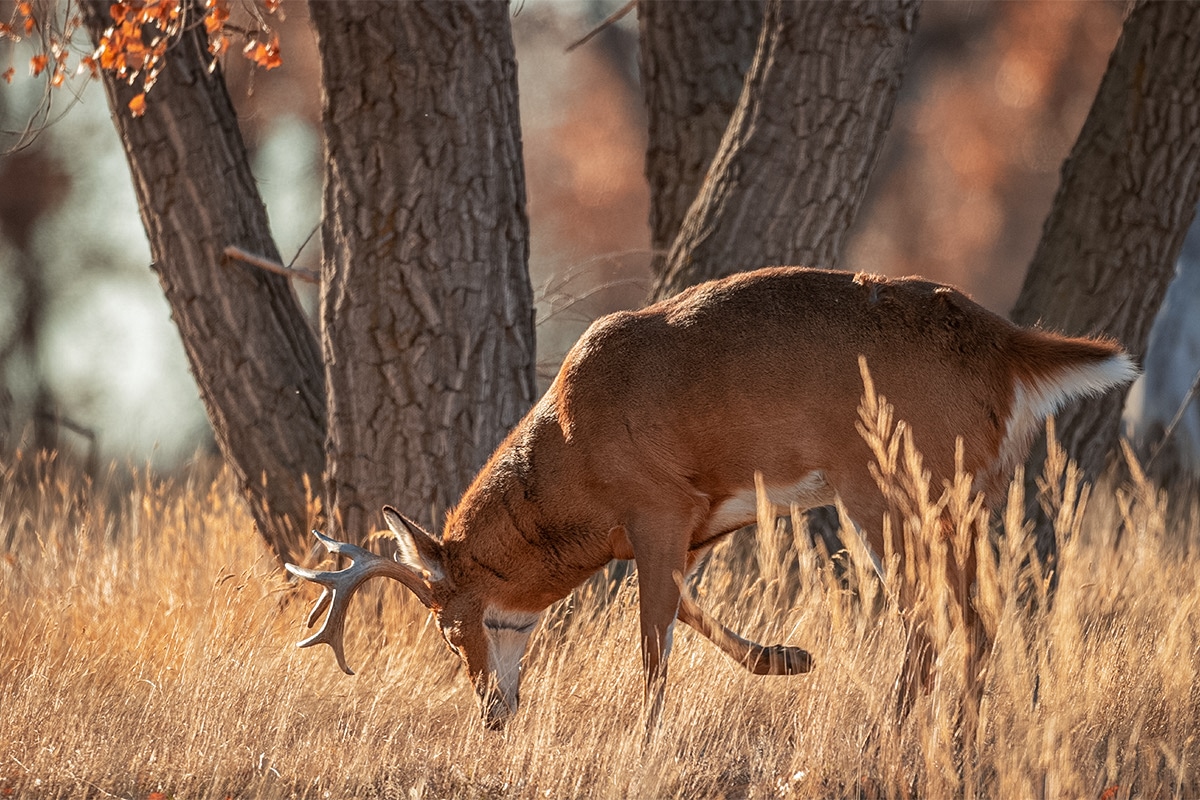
647 444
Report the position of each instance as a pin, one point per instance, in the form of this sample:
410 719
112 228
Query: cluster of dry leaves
134 46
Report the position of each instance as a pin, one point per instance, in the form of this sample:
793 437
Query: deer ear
417 548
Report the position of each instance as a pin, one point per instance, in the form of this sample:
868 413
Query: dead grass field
147 651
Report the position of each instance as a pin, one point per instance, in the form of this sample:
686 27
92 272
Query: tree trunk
694 60
252 353
426 304
791 170
1128 192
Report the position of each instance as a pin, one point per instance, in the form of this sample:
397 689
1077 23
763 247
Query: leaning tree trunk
250 349
694 58
793 165
1128 193
426 304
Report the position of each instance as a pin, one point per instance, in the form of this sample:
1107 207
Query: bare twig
612 18
1187 399
271 266
304 244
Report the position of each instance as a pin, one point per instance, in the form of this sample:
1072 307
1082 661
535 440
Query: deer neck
523 526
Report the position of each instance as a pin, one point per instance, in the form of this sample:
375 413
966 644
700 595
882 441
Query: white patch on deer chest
741 509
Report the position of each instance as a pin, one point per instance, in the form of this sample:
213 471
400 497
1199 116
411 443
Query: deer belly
741 507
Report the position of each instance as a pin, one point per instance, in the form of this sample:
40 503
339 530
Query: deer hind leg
962 575
869 510
866 506
759 659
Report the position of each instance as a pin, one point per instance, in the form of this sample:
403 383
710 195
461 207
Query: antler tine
340 586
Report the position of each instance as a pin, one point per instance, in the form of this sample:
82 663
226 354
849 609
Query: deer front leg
659 555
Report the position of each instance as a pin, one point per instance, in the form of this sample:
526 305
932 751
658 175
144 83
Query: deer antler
340 586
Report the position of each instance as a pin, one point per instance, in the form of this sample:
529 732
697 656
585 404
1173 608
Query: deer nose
497 709
496 714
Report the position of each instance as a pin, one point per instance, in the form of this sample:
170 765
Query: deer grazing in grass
647 443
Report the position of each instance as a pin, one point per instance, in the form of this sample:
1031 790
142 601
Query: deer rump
647 444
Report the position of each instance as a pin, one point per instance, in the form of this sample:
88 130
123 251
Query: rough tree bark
426 304
694 58
794 162
1128 193
254 356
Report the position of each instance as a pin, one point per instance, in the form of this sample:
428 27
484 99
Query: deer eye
498 621
497 625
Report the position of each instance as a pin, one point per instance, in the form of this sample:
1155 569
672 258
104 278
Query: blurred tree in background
693 59
792 167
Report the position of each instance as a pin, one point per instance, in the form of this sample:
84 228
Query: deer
647 443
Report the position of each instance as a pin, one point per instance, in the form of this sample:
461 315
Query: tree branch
239 254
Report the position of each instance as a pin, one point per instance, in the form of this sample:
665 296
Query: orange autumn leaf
156 796
218 12
1110 793
265 54
131 31
162 11
108 56
136 44
219 45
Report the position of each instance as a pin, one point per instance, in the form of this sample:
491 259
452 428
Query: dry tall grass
147 648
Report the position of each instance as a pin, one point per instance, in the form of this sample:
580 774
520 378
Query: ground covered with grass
147 650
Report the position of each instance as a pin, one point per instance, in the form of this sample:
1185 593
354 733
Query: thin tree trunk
792 168
252 353
694 58
426 304
1128 193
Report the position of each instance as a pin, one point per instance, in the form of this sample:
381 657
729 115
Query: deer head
488 640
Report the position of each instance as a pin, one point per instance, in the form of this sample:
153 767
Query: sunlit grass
147 645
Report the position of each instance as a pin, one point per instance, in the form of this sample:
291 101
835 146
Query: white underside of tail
1033 402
